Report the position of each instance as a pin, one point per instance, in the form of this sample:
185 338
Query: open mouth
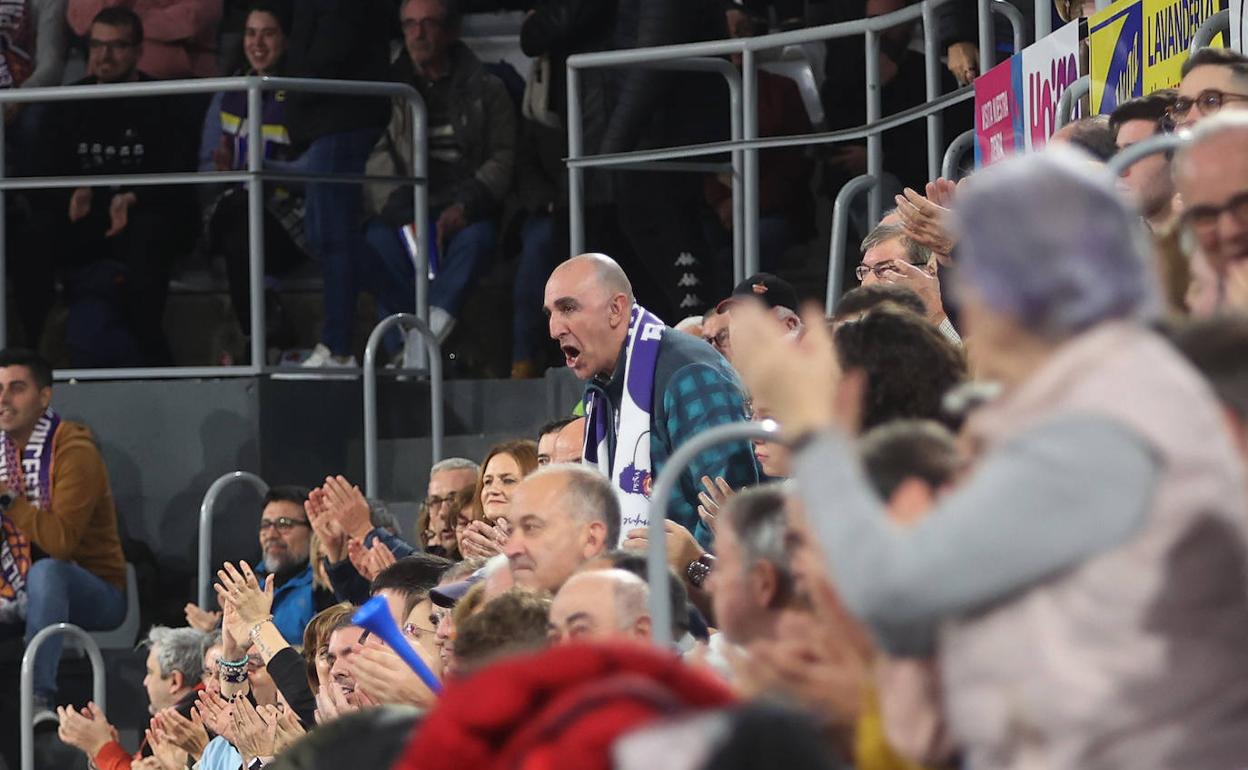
571 354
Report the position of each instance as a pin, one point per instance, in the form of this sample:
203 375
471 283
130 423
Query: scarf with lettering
627 430
29 477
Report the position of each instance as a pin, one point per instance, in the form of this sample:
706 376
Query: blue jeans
333 213
62 592
386 270
536 261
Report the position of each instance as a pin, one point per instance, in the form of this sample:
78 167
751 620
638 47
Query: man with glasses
286 541
772 290
1213 79
890 256
451 485
1211 173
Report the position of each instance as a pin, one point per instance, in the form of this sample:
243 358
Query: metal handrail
434 350
208 512
961 144
27 687
1067 102
1043 10
1015 17
1153 145
253 177
656 556
1209 29
840 229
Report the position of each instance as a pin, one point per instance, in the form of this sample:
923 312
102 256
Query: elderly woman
1086 580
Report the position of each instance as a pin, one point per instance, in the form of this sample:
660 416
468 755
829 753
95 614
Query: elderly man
1213 78
1149 180
889 255
174 670
451 485
599 605
677 388
774 292
563 515
1211 173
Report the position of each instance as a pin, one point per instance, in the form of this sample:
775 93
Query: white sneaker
43 713
321 358
441 323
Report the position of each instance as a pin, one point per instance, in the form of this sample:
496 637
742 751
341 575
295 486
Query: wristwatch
699 568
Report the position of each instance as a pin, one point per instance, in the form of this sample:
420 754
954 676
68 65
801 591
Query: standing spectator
1150 179
472 127
60 556
115 245
264 44
677 388
181 35
344 40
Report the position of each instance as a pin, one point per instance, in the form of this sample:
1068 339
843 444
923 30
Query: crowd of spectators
1003 523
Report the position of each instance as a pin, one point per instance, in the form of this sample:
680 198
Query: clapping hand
187 734
925 221
240 588
380 672
348 506
326 527
87 730
216 713
712 501
482 538
201 620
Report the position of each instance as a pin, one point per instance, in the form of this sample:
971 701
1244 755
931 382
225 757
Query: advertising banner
1049 67
998 112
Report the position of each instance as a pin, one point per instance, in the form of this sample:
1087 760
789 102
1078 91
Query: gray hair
631 595
916 253
1224 122
454 464
178 649
1046 240
380 516
760 521
588 495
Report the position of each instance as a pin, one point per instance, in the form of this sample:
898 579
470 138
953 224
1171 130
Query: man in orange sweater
60 555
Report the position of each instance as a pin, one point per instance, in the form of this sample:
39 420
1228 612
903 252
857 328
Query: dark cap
446 596
773 290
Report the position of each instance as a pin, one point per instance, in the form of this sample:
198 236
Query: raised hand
201 620
289 730
926 222
712 500
383 675
216 713
187 734
87 730
348 506
240 587
333 539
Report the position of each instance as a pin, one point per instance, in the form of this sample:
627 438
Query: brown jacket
82 525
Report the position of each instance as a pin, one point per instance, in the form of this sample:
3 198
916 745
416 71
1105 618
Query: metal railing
745 166
436 427
1210 28
1069 100
656 556
1017 24
254 178
957 150
207 513
840 232
27 687
1153 145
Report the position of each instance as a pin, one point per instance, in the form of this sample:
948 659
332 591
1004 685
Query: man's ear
642 627
45 397
620 310
176 681
596 539
764 584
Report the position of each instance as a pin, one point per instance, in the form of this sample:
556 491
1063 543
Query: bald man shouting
677 386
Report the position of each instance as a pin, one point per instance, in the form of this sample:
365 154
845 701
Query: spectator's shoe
43 713
321 358
441 323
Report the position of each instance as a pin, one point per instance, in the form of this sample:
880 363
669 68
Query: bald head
600 605
602 270
589 302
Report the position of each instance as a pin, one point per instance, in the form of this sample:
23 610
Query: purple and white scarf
30 477
629 470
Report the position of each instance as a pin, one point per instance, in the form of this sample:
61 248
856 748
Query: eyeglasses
862 271
283 524
1201 221
1206 102
413 631
112 46
720 341
454 498
431 24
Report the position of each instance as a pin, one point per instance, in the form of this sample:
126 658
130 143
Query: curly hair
908 363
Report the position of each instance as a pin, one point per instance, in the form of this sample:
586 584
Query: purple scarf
31 478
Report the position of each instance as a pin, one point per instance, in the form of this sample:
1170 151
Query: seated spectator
316 643
1213 78
890 256
784 200
603 333
683 613
174 668
61 555
182 34
454 586
907 364
264 44
1092 135
483 525
856 302
1211 175
775 292
114 246
472 134
546 438
691 325
1149 180
407 583
1056 319
562 516
772 456
345 641
285 538
561 441
599 605
507 625
452 483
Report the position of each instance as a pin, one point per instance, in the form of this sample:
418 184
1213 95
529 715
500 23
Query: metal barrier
370 392
27 695
254 178
1210 28
1043 18
749 144
1067 102
840 231
656 557
957 149
1015 17
1153 145
207 512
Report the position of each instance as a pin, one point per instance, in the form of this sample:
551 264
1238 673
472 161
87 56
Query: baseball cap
773 290
446 596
